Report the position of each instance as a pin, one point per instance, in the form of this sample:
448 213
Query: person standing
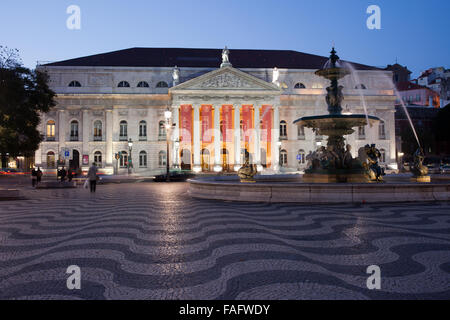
92 177
39 175
69 175
33 177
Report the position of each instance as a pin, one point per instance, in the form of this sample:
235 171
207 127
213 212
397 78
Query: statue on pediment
225 58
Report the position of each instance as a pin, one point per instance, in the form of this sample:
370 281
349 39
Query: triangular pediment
226 78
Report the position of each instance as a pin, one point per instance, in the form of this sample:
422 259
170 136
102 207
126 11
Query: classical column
237 137
217 162
109 138
176 136
61 133
276 138
86 134
197 163
257 137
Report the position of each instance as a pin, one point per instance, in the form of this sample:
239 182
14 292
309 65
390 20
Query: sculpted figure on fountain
419 169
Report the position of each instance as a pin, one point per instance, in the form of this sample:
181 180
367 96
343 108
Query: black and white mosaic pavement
152 241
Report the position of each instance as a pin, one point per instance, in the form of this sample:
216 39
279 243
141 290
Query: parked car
175 176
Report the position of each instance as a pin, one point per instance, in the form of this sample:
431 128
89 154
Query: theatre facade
112 108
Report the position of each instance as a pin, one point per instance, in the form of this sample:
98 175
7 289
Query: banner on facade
246 114
207 123
85 159
186 123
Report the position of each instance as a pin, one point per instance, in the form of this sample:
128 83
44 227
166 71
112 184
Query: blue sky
416 32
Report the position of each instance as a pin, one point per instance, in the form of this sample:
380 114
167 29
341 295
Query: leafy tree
24 94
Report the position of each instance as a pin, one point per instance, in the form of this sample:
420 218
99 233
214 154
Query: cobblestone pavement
152 241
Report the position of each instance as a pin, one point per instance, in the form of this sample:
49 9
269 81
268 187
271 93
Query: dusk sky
416 32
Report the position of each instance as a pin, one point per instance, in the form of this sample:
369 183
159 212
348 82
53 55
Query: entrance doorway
74 164
185 159
225 160
205 160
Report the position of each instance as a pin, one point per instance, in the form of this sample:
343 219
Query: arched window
142 130
50 160
301 156
51 130
162 84
74 130
283 158
361 133
361 86
162 159
383 155
74 84
283 129
162 130
98 158
123 162
301 132
123 135
382 130
299 85
143 159
123 84
143 84
98 130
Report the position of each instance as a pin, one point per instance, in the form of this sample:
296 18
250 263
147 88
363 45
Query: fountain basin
274 189
336 124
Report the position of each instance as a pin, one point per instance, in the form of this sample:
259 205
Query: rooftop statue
225 58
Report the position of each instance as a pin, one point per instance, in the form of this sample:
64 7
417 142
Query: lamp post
168 116
130 148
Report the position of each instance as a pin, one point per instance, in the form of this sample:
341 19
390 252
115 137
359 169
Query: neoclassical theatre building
222 102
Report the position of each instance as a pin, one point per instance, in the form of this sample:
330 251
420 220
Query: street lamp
168 116
130 148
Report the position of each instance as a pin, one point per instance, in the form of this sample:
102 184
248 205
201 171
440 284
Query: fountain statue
418 169
335 162
247 171
373 169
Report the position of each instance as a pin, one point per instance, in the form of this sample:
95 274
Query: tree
24 94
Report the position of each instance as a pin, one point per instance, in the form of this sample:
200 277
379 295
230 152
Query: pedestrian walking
33 177
63 174
92 177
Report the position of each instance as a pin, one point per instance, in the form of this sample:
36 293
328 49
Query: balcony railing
50 139
73 138
98 138
123 138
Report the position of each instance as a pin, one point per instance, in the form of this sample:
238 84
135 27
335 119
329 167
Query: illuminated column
257 137
237 137
217 164
197 164
86 133
62 132
176 135
276 138
109 137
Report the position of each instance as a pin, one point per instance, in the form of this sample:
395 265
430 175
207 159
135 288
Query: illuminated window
97 130
74 130
301 132
382 130
162 130
301 156
283 129
51 130
283 157
361 133
142 129
123 159
299 85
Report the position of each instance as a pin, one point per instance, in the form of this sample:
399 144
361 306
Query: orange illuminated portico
220 116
